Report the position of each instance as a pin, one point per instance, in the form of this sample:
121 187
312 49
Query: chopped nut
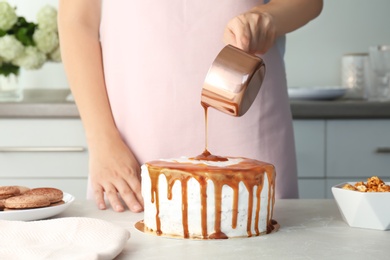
374 181
349 187
360 186
383 188
374 184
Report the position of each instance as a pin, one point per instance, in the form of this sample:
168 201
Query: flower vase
10 89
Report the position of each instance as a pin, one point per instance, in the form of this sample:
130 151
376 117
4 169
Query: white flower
8 16
46 41
47 18
31 59
10 47
55 55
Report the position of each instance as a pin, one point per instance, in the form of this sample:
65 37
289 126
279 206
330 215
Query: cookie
26 201
53 194
8 191
2 204
23 189
57 203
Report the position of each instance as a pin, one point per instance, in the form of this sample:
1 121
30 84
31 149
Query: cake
208 198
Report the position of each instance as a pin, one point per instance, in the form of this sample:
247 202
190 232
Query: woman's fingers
113 197
130 192
252 32
237 34
131 200
118 188
99 196
109 192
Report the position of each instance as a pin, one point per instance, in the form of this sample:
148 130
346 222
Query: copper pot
233 81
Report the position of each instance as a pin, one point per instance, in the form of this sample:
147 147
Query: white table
310 229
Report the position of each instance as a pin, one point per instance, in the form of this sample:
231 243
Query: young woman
136 70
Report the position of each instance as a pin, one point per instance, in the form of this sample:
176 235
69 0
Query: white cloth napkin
63 238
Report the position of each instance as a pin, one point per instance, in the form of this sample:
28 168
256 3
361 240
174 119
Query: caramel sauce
250 172
206 125
207 156
140 226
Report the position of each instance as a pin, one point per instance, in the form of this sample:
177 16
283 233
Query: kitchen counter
41 103
310 229
53 103
339 109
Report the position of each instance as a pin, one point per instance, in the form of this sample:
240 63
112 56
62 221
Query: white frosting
171 210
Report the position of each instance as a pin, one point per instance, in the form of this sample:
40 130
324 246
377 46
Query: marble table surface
310 229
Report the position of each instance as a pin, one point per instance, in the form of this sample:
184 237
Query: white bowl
363 209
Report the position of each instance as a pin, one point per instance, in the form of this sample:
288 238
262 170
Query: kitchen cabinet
44 152
310 148
310 139
334 151
358 147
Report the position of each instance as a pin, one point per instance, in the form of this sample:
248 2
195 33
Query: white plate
39 213
316 93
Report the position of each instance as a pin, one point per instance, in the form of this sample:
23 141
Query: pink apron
156 55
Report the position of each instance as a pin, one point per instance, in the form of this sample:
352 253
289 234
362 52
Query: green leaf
22 21
23 35
24 31
8 68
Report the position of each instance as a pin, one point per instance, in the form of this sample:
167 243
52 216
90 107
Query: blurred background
52 74
313 54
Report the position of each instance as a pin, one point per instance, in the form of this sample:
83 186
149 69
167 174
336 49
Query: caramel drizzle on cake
250 172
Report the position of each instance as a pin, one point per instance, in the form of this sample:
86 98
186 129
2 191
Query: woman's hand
114 171
253 32
256 30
